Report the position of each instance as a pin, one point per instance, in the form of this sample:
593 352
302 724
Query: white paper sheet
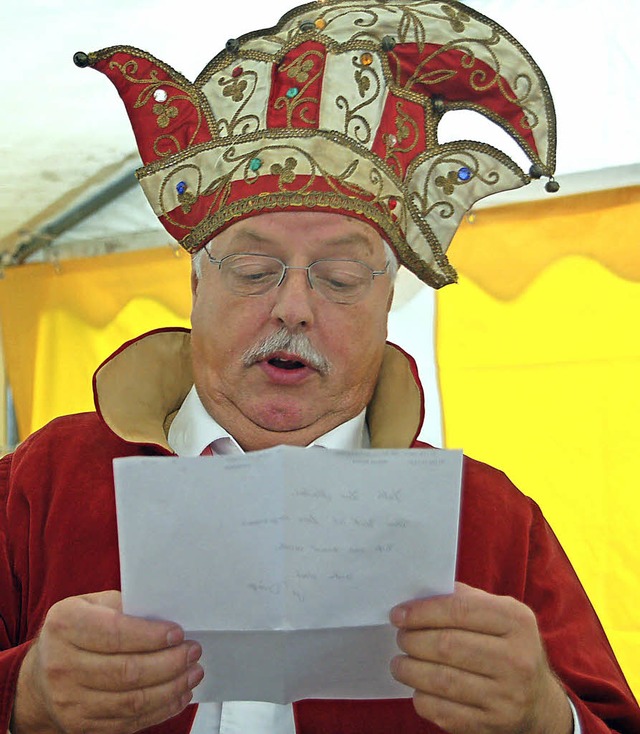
284 563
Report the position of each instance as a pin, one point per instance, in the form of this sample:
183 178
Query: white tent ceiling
60 125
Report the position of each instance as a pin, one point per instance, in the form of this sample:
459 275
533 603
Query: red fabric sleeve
11 653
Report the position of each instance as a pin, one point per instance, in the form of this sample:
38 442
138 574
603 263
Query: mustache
285 341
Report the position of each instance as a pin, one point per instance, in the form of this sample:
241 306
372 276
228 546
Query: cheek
208 330
224 330
360 342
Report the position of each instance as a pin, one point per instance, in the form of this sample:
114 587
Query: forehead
295 231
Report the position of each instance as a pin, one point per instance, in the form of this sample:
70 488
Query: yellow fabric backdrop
539 357
58 325
537 348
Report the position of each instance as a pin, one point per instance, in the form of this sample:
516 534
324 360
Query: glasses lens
341 281
251 275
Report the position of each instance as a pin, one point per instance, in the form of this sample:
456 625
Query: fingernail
195 676
394 666
398 616
195 652
175 636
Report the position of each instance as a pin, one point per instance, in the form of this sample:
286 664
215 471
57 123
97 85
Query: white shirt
191 432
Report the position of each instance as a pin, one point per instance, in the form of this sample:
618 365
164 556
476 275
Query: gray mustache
284 341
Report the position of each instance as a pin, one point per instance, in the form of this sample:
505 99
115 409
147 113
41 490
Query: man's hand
94 669
477 664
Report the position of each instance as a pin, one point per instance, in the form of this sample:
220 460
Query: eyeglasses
340 281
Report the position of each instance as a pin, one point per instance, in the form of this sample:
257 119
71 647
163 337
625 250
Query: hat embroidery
305 66
457 18
164 113
339 110
300 69
286 172
399 146
234 88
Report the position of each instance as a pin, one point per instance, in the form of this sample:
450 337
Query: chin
281 416
281 423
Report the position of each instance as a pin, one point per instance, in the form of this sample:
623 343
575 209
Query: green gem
293 92
255 164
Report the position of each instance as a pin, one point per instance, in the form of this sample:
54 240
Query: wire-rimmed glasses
339 281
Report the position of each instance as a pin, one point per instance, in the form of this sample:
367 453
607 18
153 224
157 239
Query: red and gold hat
337 109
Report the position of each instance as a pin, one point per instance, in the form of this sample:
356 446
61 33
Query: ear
390 300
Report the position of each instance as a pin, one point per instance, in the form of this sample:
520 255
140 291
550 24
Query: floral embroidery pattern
234 88
187 97
449 182
472 160
404 141
286 172
239 88
363 81
457 18
186 201
368 80
164 113
300 70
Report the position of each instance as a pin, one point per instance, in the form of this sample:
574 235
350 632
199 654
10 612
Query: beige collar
140 388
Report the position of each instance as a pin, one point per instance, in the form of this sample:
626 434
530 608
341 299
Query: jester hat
336 109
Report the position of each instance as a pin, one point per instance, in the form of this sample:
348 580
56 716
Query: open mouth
289 358
286 364
286 368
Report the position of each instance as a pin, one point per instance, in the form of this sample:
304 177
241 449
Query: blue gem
181 187
464 174
293 92
255 164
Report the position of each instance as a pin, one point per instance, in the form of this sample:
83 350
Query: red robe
58 538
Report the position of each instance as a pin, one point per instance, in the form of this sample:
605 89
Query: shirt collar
193 429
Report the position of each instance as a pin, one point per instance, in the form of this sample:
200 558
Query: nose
294 300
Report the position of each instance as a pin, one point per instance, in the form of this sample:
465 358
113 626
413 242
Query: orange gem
321 24
366 59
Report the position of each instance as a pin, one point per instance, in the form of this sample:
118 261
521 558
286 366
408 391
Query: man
289 218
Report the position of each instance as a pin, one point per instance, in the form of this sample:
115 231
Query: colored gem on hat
237 72
181 187
464 174
160 95
392 140
366 59
293 92
393 203
232 45
388 43
552 186
320 24
255 164
307 25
